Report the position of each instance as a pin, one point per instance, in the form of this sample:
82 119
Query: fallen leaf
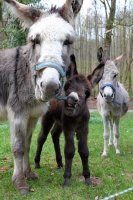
32 190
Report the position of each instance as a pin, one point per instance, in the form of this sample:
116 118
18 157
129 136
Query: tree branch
105 7
108 4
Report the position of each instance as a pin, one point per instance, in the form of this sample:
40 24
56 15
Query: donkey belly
39 110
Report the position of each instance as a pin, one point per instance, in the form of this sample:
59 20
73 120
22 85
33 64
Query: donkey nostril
58 89
41 84
76 100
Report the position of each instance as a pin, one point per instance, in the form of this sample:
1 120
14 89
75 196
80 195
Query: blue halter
61 98
109 85
56 66
50 64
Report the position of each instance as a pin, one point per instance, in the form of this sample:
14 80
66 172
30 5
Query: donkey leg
69 154
56 131
84 154
116 135
47 122
106 136
111 133
26 164
18 129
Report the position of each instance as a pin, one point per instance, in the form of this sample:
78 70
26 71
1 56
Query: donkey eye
115 76
36 41
67 42
87 93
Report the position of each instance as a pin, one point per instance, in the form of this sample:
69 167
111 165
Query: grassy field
114 173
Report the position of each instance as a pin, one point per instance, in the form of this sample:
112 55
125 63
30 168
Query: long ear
100 55
96 75
72 69
70 9
26 14
118 59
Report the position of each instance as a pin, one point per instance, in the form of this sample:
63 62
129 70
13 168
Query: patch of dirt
81 179
4 169
92 103
129 175
95 180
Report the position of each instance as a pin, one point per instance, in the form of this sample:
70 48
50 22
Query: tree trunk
109 27
2 35
96 26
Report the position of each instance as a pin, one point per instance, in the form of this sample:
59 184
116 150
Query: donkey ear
73 65
100 54
96 75
118 59
70 9
72 69
26 14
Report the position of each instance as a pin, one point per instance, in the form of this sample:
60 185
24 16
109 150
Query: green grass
114 172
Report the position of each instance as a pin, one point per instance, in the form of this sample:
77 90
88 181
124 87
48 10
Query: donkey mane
54 9
81 78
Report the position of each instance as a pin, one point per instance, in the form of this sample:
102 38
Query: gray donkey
31 75
112 102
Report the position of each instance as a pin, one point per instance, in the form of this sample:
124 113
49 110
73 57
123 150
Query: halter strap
56 66
107 85
50 64
61 98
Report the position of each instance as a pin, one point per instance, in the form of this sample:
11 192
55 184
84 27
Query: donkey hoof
118 152
37 165
24 190
88 181
31 175
104 154
66 182
60 165
21 185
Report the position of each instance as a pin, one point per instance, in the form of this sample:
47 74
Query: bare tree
96 25
110 9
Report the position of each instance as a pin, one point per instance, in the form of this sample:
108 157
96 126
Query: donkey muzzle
108 92
51 80
72 101
52 89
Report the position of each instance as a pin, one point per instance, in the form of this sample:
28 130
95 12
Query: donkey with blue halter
112 102
31 75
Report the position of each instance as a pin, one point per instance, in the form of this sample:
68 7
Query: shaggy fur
24 91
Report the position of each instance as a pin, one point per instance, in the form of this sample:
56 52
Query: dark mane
80 78
54 9
59 11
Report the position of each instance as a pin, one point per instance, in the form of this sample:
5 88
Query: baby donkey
72 116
